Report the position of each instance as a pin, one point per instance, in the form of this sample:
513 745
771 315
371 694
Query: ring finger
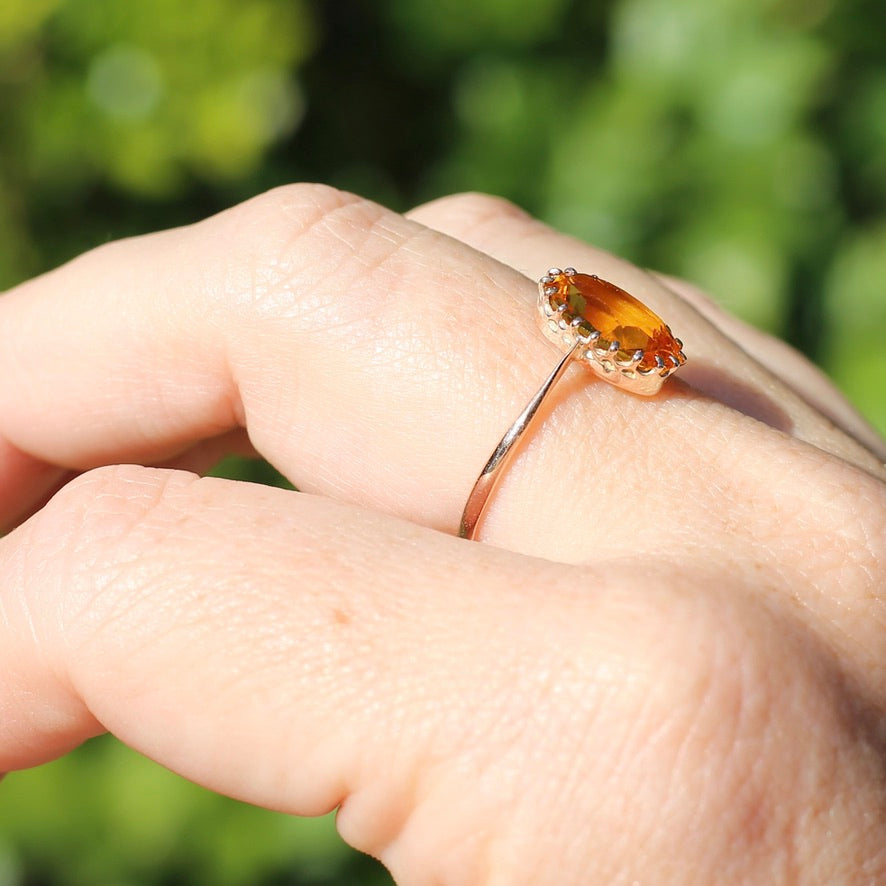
372 359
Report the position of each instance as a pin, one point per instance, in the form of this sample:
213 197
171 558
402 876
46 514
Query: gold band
490 475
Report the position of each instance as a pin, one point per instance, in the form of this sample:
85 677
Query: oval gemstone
618 317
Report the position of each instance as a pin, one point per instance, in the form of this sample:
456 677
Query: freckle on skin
341 617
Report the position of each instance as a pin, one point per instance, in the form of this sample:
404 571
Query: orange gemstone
618 317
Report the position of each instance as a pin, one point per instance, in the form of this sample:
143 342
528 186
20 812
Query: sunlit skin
663 662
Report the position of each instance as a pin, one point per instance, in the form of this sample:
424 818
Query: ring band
602 326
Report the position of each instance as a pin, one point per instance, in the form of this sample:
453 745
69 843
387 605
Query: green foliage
443 29
740 143
107 816
160 102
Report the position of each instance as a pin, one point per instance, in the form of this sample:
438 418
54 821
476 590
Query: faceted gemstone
618 317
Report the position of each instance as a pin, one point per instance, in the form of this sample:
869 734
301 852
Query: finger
29 483
331 327
25 484
226 631
375 360
786 363
743 369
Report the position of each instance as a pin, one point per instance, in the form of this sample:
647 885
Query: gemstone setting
617 336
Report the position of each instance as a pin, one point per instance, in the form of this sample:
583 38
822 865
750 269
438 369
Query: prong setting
565 321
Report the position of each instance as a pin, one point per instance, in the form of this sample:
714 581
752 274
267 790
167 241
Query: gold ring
601 326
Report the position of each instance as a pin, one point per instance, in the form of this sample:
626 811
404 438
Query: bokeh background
739 143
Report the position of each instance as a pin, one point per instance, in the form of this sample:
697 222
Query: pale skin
664 662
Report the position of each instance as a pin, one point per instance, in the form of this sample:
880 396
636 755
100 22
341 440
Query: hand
666 664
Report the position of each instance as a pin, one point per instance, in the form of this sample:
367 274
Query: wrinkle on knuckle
323 265
329 267
470 208
92 536
294 244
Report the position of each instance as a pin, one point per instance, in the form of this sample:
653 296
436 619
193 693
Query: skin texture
664 663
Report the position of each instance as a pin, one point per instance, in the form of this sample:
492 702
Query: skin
663 664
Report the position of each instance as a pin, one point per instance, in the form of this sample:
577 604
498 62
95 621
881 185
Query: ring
601 326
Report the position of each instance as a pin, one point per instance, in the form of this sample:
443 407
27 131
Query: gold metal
490 475
582 346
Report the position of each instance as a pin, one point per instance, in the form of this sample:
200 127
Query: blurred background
738 143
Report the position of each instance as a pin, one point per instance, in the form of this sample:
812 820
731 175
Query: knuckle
288 245
470 208
296 207
748 696
83 541
701 694
105 502
291 221
845 547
